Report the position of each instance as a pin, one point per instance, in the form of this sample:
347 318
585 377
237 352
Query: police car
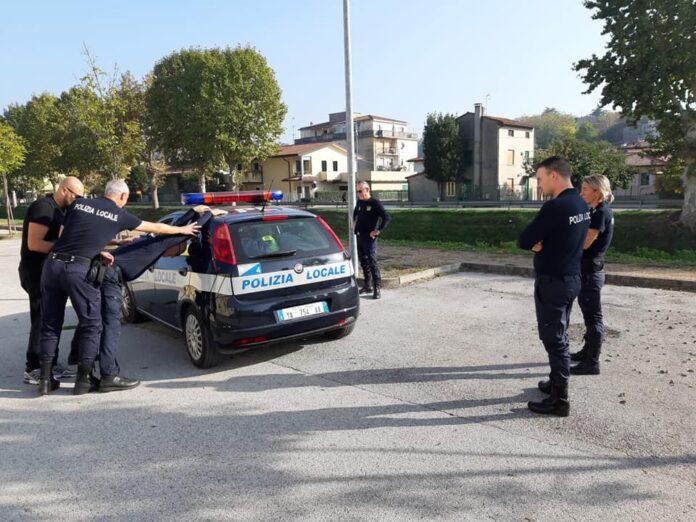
252 277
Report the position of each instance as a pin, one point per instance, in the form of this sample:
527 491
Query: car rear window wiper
274 254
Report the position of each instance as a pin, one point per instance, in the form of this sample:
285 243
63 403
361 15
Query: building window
527 134
451 189
335 166
324 165
257 167
511 132
644 179
510 157
526 156
307 166
298 166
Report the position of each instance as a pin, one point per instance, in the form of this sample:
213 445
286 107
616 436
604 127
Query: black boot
47 383
366 289
580 355
83 382
545 386
377 293
555 404
590 366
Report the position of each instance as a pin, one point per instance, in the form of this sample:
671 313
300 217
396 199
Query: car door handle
152 268
183 271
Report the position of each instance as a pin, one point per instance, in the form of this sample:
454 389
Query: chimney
478 128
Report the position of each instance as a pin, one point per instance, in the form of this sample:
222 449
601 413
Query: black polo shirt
46 212
90 224
370 215
601 219
562 225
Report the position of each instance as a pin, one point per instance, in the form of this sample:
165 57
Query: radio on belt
218 198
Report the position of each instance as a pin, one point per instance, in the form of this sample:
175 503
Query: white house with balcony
302 170
384 146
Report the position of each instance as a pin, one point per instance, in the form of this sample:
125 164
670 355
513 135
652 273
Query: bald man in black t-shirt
42 224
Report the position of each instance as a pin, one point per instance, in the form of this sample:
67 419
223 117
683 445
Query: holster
95 274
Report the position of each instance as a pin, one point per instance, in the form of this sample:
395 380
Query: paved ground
420 414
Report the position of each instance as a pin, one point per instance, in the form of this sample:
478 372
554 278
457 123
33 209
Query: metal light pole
350 136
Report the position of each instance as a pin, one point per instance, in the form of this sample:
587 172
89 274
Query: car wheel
340 333
129 310
199 344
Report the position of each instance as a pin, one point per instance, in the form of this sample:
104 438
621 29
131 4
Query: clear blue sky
410 57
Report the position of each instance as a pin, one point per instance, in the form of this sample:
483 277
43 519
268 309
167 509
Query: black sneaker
117 383
366 290
32 376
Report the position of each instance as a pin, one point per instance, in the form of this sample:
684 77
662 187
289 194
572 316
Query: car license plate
298 312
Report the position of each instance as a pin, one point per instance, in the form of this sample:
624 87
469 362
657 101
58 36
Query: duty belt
70 258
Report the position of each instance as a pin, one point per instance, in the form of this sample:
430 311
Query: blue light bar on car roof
218 198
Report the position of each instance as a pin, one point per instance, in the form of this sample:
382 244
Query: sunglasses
74 193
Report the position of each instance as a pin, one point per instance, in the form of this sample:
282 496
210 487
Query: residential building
647 169
495 152
302 170
383 146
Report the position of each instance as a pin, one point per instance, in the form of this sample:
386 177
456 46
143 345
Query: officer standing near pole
556 235
41 229
370 219
68 273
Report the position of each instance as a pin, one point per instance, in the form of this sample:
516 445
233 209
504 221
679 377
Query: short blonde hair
600 183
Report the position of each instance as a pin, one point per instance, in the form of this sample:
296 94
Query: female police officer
596 191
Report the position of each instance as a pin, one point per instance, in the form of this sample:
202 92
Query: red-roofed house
495 151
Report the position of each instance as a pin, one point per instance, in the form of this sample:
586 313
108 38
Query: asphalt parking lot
419 414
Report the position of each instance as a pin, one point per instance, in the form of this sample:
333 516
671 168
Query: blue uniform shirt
90 224
562 225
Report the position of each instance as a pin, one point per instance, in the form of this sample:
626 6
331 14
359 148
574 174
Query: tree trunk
688 215
232 184
202 181
153 191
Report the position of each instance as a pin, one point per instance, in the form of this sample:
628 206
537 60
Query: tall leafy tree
215 107
442 148
12 152
36 122
549 126
649 69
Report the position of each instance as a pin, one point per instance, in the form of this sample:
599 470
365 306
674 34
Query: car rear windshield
298 237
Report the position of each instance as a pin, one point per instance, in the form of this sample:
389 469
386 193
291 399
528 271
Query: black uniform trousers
61 281
553 298
30 279
590 301
112 298
367 254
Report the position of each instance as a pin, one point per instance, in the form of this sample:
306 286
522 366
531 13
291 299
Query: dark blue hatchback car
250 278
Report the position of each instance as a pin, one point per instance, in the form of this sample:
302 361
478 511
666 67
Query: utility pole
350 136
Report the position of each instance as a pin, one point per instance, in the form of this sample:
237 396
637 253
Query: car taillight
250 340
223 250
331 232
273 218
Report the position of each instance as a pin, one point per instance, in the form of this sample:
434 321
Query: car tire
199 343
340 333
129 310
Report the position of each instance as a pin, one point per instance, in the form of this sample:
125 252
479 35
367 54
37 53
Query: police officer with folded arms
556 235
596 191
89 226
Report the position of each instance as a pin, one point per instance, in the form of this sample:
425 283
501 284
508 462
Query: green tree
442 148
36 123
550 125
649 70
587 132
587 158
12 152
213 107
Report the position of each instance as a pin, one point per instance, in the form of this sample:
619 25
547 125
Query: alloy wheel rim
194 337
